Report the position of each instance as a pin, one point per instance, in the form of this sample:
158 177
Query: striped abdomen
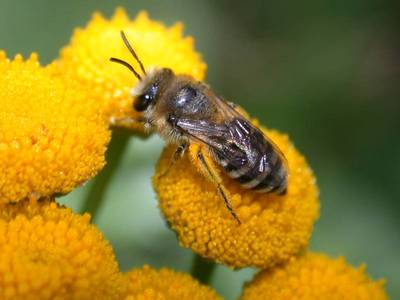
249 158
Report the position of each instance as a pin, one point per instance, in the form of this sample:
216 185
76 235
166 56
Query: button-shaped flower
47 252
273 228
52 134
165 284
87 56
314 277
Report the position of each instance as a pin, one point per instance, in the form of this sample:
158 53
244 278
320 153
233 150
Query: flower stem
202 269
114 154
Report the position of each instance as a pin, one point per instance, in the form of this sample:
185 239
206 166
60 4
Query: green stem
202 269
100 183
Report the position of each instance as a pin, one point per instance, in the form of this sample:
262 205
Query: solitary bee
184 111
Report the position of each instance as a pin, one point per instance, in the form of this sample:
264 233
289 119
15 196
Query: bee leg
126 121
217 182
179 151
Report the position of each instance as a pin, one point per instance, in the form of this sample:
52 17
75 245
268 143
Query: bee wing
232 113
234 139
210 134
222 144
227 109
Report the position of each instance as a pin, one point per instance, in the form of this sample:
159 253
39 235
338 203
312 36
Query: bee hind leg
217 182
179 151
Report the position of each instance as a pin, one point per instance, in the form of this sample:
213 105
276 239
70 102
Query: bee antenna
124 63
128 45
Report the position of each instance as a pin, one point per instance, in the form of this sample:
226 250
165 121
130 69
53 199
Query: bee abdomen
265 174
275 181
250 159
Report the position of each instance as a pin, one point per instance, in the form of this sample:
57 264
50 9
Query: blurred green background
326 72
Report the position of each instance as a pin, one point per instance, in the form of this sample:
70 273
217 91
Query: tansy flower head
165 284
87 56
52 136
274 228
47 252
314 277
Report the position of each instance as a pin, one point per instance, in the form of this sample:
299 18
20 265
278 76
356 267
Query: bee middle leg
217 182
179 151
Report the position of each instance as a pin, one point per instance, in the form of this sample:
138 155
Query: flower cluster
311 277
54 130
274 228
147 283
47 252
52 135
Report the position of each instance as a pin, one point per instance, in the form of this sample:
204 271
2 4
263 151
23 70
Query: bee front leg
127 121
179 151
218 184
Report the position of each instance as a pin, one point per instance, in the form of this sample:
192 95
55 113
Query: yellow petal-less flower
52 136
314 277
47 252
86 58
274 228
165 284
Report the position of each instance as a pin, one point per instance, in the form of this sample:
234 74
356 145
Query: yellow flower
52 136
86 58
47 252
274 228
166 284
314 277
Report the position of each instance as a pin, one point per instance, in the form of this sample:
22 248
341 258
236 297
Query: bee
184 111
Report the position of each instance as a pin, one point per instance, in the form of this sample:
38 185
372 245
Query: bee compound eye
142 102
